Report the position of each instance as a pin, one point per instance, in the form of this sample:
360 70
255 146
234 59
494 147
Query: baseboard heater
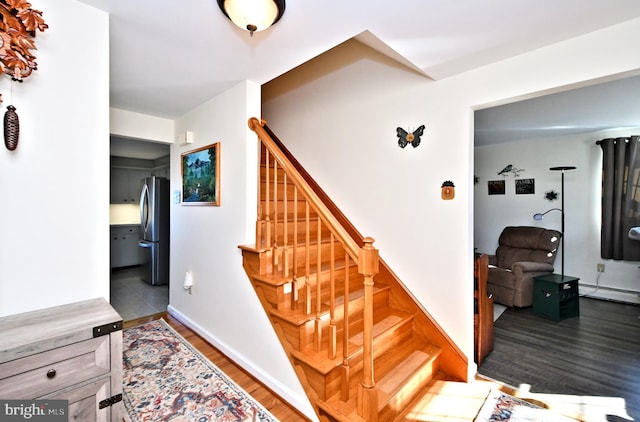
613 289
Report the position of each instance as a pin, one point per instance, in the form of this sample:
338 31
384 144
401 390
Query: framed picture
201 176
525 186
496 187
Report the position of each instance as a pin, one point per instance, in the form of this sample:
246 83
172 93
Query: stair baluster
345 374
267 217
277 252
294 257
285 233
332 300
318 322
405 358
307 251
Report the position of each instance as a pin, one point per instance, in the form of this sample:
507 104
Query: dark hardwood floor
597 354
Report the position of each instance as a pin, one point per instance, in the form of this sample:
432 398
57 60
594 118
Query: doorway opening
132 294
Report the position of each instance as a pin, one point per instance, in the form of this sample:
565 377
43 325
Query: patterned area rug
502 407
167 379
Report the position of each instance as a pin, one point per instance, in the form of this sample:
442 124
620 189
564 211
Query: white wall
222 305
582 205
338 115
54 217
141 126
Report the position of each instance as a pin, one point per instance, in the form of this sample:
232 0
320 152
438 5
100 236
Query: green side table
556 297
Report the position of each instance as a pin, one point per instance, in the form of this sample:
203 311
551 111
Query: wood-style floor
597 354
272 402
587 358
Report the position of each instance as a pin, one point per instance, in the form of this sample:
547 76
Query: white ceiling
608 105
169 56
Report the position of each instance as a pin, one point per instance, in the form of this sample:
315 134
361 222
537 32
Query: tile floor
133 298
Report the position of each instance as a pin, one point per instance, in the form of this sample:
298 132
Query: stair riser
330 383
279 294
380 300
277 231
355 283
324 385
405 359
278 192
263 173
256 262
381 345
302 336
293 208
325 255
277 236
276 296
356 308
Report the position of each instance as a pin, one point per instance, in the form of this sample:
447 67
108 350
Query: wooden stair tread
404 371
378 328
406 363
253 248
273 280
319 360
446 400
276 279
407 371
298 317
407 378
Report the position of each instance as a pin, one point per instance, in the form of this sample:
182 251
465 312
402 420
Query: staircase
362 347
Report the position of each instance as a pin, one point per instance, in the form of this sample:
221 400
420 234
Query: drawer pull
51 373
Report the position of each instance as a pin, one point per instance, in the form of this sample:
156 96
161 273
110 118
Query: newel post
367 394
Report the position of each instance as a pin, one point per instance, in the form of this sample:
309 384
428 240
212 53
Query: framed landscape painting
201 176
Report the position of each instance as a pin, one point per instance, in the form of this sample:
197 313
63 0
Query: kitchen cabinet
124 246
71 352
126 184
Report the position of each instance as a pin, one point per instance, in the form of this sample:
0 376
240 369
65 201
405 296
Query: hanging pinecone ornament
11 128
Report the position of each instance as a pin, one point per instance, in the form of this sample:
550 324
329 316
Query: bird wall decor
510 169
405 137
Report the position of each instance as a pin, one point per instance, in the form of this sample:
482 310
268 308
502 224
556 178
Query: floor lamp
540 216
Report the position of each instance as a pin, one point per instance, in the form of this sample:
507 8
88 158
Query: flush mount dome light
252 15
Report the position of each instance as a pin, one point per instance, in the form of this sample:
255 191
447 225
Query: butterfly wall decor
405 137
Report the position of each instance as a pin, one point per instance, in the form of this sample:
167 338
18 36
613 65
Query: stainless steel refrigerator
154 231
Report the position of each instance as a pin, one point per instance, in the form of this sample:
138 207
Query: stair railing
269 235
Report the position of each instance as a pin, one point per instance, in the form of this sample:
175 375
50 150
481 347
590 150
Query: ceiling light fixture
252 15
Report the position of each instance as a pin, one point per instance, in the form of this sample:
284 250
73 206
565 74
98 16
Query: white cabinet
124 246
126 185
71 352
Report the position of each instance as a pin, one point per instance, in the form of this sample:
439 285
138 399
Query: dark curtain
620 198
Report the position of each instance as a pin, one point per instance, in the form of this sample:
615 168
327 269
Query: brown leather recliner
523 253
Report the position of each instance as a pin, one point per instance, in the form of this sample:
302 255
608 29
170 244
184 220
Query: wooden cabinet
124 246
70 352
483 310
126 185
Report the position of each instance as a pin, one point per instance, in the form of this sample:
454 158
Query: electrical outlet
600 268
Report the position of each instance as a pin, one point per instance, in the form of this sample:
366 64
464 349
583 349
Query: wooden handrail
360 251
350 244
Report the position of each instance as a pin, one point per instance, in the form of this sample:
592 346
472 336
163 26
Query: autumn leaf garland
18 25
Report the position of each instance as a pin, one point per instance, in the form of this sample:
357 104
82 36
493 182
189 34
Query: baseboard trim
283 391
609 293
